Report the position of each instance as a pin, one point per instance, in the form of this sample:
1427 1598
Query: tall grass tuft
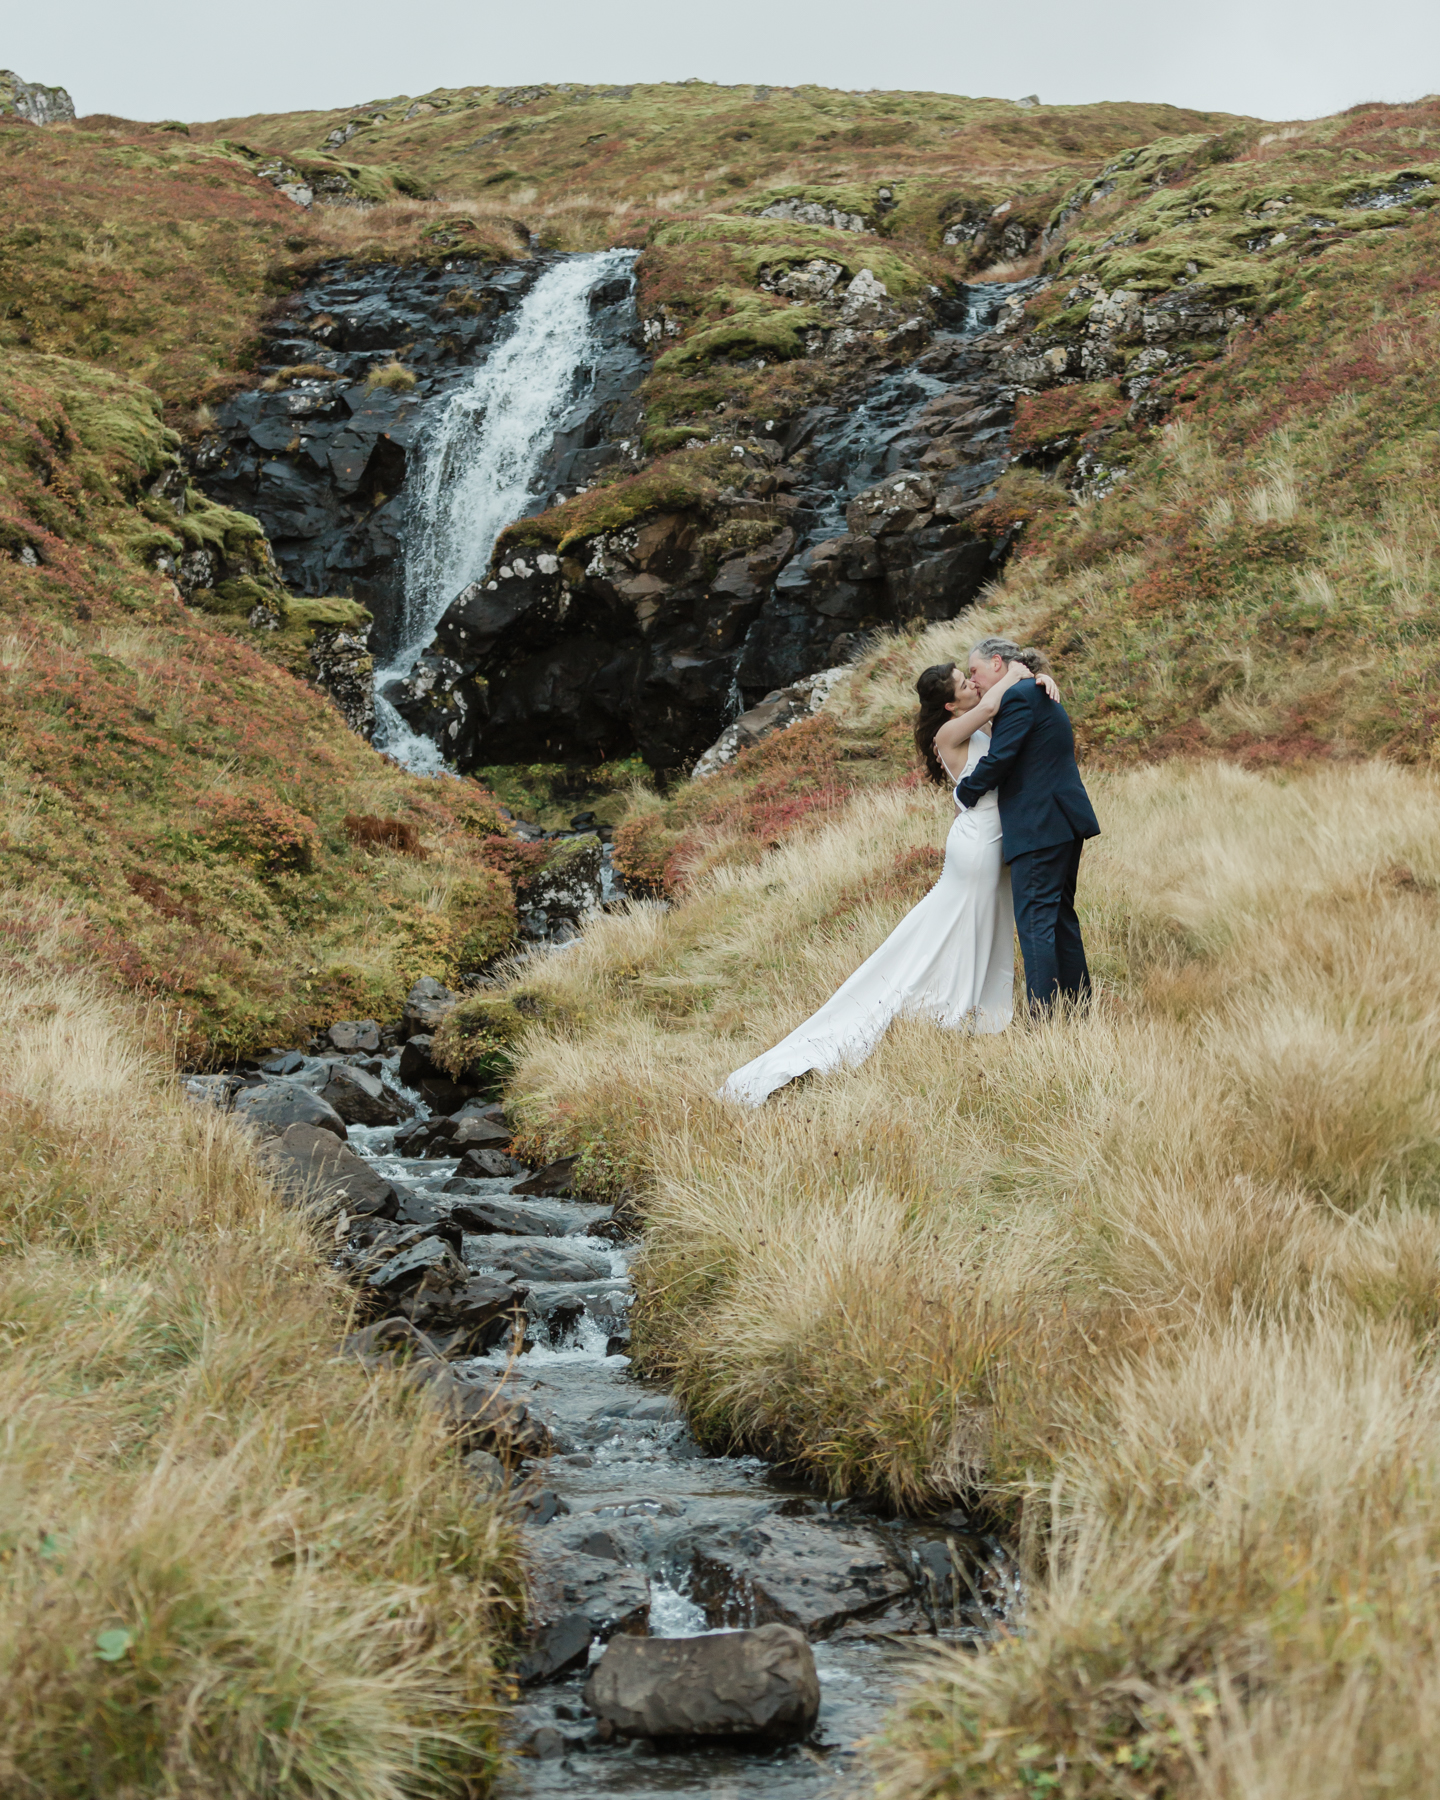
230 1563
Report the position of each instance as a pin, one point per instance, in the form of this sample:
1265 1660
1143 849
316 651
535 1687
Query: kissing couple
999 734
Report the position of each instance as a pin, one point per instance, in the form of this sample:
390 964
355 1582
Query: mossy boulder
477 1043
564 890
480 909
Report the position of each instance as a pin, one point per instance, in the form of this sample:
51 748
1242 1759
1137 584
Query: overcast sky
1279 59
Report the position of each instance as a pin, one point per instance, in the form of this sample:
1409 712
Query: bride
952 957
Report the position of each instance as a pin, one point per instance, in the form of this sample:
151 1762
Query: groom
1045 817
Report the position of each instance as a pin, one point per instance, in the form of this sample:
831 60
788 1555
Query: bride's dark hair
936 688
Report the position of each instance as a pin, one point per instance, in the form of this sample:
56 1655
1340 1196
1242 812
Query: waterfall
477 464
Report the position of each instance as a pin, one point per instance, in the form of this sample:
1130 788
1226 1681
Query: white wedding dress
951 959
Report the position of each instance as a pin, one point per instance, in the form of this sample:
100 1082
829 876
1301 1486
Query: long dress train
951 959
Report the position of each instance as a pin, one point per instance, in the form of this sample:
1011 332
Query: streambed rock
743 1684
276 1105
351 1035
792 1572
465 1320
613 1599
361 1098
485 1414
308 1162
512 1218
535 1259
451 1136
431 1262
426 1007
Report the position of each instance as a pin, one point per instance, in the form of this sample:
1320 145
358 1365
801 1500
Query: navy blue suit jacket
1031 761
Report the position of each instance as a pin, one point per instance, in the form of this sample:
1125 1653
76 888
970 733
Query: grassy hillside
181 796
1259 578
569 158
230 1563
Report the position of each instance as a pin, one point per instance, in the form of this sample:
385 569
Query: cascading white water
476 467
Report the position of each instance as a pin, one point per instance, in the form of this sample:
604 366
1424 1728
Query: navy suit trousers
1043 884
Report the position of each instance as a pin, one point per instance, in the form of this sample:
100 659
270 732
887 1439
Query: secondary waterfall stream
477 465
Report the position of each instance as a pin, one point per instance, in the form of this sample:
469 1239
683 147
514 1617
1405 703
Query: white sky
194 59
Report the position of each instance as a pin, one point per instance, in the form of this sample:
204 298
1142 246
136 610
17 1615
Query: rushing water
625 1463
477 465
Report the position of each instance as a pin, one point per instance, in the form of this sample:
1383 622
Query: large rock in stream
361 1098
743 1684
792 1572
308 1163
274 1106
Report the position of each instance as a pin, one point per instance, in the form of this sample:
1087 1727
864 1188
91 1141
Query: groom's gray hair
1001 647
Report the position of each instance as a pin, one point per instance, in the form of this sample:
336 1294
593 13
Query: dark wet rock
372 1241
433 1211
540 1506
470 1131
352 1035
547 1742
466 1320
746 1684
394 1339
535 1259
560 1307
277 1104
415 1061
287 1062
484 1414
793 1572
443 1096
486 1471
423 1137
512 1218
426 1006
613 1599
553 1649
309 1162
486 1164
551 1182
362 1099
322 461
431 1261
450 1136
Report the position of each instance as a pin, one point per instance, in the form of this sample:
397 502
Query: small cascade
478 463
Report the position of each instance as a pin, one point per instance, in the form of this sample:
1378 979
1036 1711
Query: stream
632 1525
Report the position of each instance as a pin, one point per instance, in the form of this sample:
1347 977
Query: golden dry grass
230 1563
1162 1281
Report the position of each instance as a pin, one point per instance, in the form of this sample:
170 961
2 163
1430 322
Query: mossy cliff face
175 799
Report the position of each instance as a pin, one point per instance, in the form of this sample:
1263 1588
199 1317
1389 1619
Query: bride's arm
956 732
